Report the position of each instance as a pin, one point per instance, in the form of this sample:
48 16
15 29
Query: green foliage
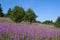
8 13
1 13
17 14
53 38
47 22
57 23
25 37
38 22
30 16
5 36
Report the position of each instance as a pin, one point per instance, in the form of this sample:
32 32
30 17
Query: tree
8 13
38 22
57 23
17 14
1 13
30 16
47 22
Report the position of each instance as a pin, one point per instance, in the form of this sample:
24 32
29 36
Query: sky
44 9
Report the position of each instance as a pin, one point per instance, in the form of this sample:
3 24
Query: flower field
28 32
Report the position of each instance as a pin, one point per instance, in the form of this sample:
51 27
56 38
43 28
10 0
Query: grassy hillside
5 20
23 31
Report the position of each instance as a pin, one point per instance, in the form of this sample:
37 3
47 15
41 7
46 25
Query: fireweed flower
27 31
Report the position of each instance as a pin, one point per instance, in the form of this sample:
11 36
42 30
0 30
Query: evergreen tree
8 13
1 13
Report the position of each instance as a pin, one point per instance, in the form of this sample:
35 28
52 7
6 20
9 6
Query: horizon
44 9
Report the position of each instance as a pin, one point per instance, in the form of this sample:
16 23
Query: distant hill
5 20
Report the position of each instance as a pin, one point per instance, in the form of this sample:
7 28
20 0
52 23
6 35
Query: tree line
18 14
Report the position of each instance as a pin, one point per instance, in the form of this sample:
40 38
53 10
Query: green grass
6 37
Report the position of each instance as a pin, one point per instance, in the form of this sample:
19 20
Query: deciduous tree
17 14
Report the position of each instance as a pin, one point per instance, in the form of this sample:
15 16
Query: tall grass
26 37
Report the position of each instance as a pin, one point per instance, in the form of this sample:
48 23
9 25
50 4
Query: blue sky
44 9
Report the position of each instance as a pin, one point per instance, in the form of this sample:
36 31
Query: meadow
18 21
23 31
